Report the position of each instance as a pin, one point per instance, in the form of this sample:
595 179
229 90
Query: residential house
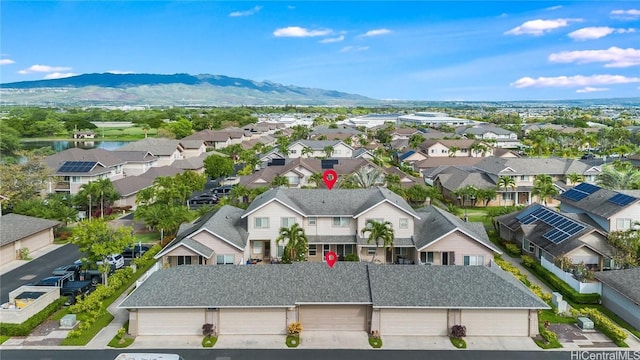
346 134
339 149
410 157
350 297
333 220
455 148
23 232
543 232
621 293
137 162
500 137
84 135
404 133
523 172
129 186
166 150
75 167
431 163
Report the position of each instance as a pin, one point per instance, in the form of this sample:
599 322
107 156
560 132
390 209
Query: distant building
431 119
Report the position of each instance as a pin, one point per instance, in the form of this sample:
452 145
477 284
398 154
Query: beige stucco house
23 232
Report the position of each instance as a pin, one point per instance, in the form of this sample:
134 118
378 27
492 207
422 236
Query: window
623 224
433 151
340 221
294 180
337 152
524 178
474 260
76 179
224 259
371 251
257 247
376 220
528 246
343 250
280 250
312 221
313 250
261 223
404 223
184 260
508 195
292 151
287 221
401 251
325 250
426 257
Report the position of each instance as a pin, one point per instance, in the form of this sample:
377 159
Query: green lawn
548 315
152 237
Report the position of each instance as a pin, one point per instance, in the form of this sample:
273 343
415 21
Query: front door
445 258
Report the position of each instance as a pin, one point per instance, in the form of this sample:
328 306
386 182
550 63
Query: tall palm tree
574 178
453 150
240 193
380 233
315 178
477 148
365 178
280 180
296 243
505 182
328 150
306 151
618 179
543 187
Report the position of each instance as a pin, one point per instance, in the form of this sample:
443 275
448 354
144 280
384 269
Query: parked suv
116 260
135 251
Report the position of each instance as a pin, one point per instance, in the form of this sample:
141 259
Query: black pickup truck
78 273
69 288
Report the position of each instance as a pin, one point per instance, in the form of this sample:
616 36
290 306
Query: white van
148 356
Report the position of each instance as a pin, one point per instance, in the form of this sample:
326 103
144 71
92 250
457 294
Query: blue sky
422 50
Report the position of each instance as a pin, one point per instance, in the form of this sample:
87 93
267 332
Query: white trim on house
473 237
216 235
390 202
269 202
177 245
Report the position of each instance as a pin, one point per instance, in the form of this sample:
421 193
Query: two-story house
611 210
455 148
318 149
333 220
166 150
500 137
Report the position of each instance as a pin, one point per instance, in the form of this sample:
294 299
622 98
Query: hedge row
567 291
31 323
507 266
548 335
602 323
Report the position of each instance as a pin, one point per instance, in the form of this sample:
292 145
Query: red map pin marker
331 258
330 177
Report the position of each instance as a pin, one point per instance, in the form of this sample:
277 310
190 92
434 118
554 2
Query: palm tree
453 150
306 151
315 178
365 178
328 150
279 180
380 233
618 179
486 195
543 187
574 178
477 148
296 243
240 192
505 182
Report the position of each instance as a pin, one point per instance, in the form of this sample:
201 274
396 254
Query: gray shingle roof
448 287
105 157
435 223
626 282
339 202
532 166
598 203
318 144
356 283
156 146
198 247
14 227
331 239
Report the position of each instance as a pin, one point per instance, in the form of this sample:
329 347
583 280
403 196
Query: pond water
61 145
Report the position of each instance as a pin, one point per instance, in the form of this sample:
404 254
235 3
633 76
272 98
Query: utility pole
89 196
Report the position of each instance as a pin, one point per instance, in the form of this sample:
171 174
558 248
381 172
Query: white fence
582 288
144 276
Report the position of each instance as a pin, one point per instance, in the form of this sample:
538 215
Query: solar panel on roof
575 195
588 188
77 166
563 227
622 199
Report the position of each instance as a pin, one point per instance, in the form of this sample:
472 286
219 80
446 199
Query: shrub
567 291
292 341
209 341
351 257
512 249
295 328
528 260
458 343
507 266
28 325
603 324
208 330
458 331
375 342
548 335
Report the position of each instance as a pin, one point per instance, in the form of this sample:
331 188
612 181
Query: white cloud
43 68
539 27
296 31
630 14
332 40
554 7
6 62
249 12
377 32
353 49
119 72
613 57
590 89
572 81
58 75
590 33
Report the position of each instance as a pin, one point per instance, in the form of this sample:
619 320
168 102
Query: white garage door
271 321
413 322
170 321
36 242
496 322
334 318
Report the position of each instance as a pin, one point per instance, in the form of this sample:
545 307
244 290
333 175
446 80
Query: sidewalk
120 317
517 262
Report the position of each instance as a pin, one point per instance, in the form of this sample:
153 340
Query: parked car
587 157
116 260
134 251
78 273
204 198
222 190
69 288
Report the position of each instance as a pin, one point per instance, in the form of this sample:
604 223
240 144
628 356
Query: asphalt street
37 269
292 354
